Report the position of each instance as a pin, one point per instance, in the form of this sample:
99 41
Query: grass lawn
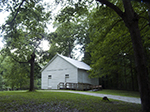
119 92
45 101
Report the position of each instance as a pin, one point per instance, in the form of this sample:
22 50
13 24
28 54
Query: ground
48 101
115 97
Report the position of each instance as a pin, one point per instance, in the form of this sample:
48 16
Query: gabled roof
77 64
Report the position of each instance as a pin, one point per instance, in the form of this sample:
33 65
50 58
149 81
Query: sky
3 16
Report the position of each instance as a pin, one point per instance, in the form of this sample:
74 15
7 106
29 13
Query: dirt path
121 98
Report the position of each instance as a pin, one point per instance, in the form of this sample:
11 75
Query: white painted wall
83 77
57 69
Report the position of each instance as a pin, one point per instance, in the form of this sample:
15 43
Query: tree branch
144 18
110 28
9 54
112 6
17 60
16 12
128 7
36 46
144 26
3 27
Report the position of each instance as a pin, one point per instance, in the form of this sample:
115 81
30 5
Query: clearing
48 101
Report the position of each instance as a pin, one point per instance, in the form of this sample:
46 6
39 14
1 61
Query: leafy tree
65 38
1 80
1 71
15 74
72 30
130 15
127 12
25 33
1 83
108 54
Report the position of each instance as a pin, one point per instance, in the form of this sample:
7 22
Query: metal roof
76 63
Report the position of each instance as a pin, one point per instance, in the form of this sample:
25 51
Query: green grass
119 92
46 101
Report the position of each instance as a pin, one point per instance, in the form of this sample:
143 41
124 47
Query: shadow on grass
21 101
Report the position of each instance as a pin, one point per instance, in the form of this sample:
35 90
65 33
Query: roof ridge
70 58
76 63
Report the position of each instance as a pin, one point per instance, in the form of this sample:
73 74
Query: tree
65 38
131 20
72 30
24 33
1 83
15 75
110 47
1 72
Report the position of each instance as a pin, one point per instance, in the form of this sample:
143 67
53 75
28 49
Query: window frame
66 75
49 76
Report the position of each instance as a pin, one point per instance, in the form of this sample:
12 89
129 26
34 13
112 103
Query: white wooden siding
83 77
58 68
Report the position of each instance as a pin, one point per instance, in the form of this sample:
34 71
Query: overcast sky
3 16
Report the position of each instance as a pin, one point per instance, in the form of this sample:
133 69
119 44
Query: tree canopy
116 34
111 44
24 33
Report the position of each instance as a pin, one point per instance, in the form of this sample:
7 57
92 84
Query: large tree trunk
131 21
141 66
32 72
131 72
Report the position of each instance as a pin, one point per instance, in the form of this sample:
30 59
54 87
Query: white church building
64 70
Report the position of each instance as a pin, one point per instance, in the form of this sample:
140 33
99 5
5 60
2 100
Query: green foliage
24 31
111 47
72 30
1 72
1 82
15 74
71 13
108 44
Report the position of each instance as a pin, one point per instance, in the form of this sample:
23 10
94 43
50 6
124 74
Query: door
66 77
49 81
66 80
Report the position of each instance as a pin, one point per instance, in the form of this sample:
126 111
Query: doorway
49 81
66 77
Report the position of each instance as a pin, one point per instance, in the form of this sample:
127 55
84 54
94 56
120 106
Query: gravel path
121 98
